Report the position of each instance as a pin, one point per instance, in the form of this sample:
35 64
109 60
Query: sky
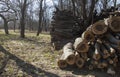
50 4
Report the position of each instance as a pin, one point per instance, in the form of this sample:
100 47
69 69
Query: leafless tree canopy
36 14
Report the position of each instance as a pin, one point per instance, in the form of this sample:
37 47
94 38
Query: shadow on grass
84 71
26 67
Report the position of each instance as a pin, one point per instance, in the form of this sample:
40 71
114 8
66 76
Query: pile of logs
98 47
64 28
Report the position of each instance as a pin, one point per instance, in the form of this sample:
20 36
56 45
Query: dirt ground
34 57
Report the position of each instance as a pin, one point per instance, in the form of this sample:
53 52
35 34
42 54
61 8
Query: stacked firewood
64 28
98 47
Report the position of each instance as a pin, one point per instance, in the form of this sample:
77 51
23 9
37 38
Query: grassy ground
34 57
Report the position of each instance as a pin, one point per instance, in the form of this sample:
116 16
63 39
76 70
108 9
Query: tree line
36 14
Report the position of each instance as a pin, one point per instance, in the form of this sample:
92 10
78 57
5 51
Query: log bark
117 36
69 53
112 39
102 50
77 42
110 48
102 64
99 27
115 46
77 55
105 52
67 46
110 61
96 54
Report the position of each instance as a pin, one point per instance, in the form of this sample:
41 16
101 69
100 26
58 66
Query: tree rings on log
114 24
99 27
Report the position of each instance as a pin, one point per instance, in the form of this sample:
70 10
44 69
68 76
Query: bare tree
61 4
22 18
73 3
40 18
7 13
115 3
5 8
105 3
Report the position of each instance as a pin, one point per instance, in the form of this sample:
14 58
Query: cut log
82 47
118 34
90 67
88 36
111 71
62 61
94 62
96 54
115 59
77 55
91 64
115 24
116 13
91 51
77 42
110 48
102 50
84 55
110 61
80 62
99 27
105 64
112 39
67 46
115 47
102 64
69 54
105 53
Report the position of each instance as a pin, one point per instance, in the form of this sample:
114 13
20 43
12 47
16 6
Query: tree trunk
40 19
22 19
84 9
61 4
14 25
90 18
115 2
5 24
73 4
